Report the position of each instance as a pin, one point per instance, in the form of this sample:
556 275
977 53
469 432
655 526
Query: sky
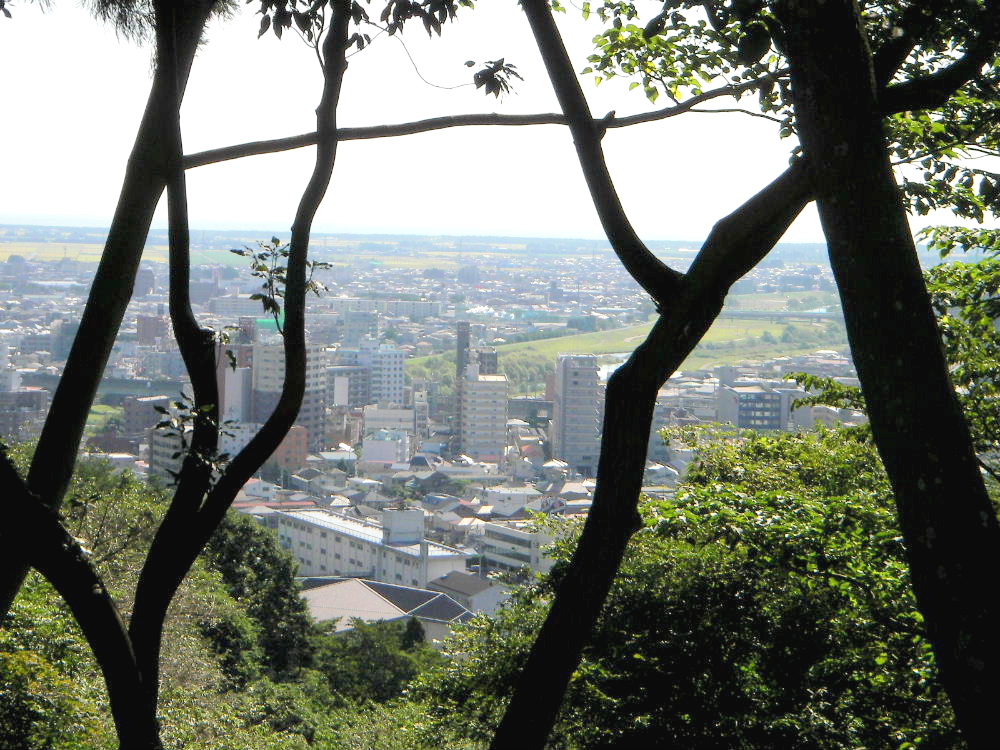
73 94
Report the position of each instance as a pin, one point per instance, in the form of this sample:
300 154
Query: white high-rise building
387 365
483 414
577 412
269 376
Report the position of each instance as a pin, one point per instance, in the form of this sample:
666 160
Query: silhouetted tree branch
55 455
277 145
183 535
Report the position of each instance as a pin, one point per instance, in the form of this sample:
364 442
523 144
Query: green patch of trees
767 605
243 664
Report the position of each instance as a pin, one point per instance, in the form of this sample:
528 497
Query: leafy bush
766 605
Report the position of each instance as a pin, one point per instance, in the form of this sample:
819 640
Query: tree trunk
186 530
689 305
949 526
55 455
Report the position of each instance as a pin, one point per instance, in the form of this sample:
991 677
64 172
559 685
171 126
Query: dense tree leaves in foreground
236 668
766 606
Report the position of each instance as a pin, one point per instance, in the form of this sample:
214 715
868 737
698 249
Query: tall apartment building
166 453
757 405
387 365
486 363
141 413
150 328
234 373
483 414
577 412
358 324
23 412
348 385
513 546
413 309
269 376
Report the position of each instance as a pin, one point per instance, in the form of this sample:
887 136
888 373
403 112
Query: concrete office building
483 414
387 364
577 413
269 376
393 551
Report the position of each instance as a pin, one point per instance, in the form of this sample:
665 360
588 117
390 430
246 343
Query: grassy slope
626 339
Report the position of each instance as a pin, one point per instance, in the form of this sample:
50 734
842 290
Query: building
388 446
486 363
349 599
326 543
358 325
151 329
513 546
387 379
413 309
757 406
141 412
166 450
348 385
235 393
472 592
389 418
22 413
483 415
577 412
269 376
291 455
235 305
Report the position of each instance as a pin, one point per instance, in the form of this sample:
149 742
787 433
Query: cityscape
454 389
546 376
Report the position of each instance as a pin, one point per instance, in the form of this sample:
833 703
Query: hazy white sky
73 94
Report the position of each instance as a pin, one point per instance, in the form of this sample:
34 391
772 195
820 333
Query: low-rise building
393 551
512 546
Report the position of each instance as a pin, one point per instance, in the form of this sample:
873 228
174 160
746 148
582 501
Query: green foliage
526 370
828 392
693 49
766 606
260 575
372 661
49 686
216 690
269 264
966 299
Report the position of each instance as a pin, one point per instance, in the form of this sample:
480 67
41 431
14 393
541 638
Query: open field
626 339
776 301
90 252
100 415
337 252
622 340
755 350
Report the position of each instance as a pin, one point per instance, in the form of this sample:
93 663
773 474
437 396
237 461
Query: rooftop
367 530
